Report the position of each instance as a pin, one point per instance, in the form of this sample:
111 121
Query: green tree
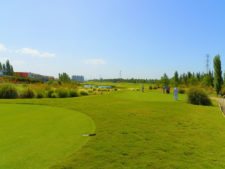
0 66
11 70
176 78
189 75
3 67
218 81
208 79
64 77
165 80
8 68
184 79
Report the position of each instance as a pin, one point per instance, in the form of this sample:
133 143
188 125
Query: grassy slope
150 130
36 137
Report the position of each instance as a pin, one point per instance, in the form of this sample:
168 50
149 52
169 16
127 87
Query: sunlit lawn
140 131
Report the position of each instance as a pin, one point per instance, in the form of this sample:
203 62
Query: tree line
6 68
212 79
209 79
131 80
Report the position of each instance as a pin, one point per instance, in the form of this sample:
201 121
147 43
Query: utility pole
120 74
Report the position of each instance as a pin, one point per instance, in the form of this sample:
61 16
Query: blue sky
98 38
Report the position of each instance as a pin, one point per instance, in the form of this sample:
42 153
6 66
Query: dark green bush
40 95
155 87
73 93
83 93
198 97
62 93
54 95
27 93
50 93
8 92
182 91
223 92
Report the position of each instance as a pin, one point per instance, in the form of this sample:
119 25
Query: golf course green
36 137
134 130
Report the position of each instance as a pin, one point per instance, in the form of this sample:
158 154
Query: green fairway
36 137
134 131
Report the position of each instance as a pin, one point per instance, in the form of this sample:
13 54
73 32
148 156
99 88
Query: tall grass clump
84 93
63 93
40 95
73 93
8 92
198 97
51 93
27 93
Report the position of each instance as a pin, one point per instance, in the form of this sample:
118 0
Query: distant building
34 76
78 78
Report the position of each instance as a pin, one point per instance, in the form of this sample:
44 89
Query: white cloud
2 48
35 53
95 62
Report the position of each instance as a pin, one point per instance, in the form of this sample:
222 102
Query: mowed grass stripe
36 137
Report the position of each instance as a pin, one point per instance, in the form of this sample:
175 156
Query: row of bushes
10 92
153 87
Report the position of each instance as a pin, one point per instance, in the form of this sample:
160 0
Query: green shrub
90 91
83 93
54 83
198 97
155 87
182 91
62 93
223 91
40 95
50 93
8 92
54 95
73 93
27 93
